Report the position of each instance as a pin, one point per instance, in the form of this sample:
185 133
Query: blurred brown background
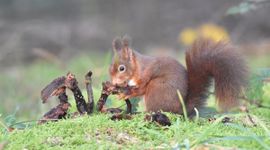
66 27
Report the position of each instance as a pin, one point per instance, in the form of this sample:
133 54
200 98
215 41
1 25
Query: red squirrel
157 79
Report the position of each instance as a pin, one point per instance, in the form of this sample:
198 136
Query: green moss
99 132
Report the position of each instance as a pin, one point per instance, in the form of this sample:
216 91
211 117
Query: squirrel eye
122 68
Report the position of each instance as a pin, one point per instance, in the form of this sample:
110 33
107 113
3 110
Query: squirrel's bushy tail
218 60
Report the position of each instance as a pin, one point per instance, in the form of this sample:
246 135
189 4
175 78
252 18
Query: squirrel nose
113 81
119 82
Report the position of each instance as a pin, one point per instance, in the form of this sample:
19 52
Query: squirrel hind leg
163 97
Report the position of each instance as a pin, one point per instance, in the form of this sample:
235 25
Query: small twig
72 84
119 110
59 85
88 82
63 98
244 109
58 88
251 120
104 95
129 106
55 88
58 112
108 89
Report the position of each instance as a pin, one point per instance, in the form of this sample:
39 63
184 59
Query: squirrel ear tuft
126 47
126 41
117 44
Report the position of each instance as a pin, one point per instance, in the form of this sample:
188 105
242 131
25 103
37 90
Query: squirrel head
123 67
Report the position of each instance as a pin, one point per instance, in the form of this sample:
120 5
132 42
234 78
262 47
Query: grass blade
197 114
252 134
183 105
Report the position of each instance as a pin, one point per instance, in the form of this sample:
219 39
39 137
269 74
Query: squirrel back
157 79
218 60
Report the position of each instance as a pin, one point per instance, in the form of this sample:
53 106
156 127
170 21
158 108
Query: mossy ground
99 132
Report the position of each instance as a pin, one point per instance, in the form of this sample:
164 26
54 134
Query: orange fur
159 78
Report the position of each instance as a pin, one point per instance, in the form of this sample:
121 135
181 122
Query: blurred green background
41 40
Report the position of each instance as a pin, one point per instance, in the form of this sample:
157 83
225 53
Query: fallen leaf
55 140
124 137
